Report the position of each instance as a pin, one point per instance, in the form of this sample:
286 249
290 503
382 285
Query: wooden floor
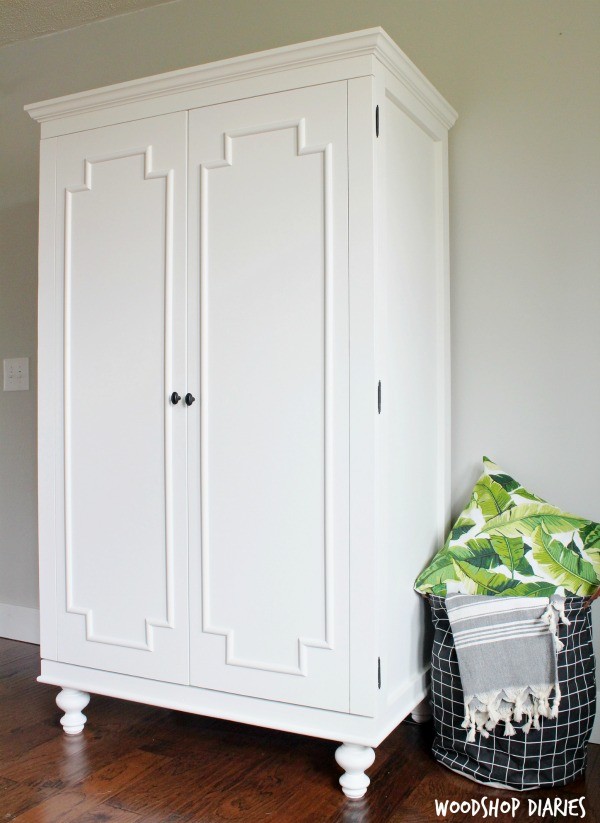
136 764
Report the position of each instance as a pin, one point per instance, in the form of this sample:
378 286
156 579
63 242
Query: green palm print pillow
510 542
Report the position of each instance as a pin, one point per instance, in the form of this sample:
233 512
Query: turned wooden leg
354 760
422 712
72 702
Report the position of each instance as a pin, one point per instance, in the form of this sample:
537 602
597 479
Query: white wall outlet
16 373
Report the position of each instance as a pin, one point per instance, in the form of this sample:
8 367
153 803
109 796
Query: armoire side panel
269 451
364 556
122 559
411 339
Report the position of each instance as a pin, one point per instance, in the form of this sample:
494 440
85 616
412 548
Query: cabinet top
330 58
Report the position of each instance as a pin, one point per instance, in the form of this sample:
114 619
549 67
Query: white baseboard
19 623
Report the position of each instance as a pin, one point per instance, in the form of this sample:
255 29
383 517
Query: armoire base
359 735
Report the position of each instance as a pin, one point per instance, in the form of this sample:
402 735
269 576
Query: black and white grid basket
553 756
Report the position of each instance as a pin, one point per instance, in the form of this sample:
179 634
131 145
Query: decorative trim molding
373 42
149 173
20 623
302 149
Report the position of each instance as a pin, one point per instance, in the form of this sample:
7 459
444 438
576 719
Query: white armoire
243 389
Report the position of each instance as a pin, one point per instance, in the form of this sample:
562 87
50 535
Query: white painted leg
354 760
422 712
72 702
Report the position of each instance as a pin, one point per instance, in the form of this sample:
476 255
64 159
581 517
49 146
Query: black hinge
379 672
379 397
376 121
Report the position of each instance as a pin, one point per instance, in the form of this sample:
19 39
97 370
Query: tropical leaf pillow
510 542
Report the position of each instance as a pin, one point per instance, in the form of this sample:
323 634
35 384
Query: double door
207 252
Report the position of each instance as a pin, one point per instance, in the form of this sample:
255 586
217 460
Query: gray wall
525 236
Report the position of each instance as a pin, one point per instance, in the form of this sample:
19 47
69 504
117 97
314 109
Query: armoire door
269 360
120 352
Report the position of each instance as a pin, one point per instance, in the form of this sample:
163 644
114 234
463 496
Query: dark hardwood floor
136 764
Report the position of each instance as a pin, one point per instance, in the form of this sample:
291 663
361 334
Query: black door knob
175 398
189 399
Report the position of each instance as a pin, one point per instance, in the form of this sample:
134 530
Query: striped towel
506 649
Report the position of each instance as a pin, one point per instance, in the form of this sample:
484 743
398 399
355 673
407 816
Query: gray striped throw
506 649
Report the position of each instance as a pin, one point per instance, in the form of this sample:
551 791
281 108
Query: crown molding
394 59
369 42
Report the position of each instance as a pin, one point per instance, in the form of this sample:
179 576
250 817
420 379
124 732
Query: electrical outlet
16 374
